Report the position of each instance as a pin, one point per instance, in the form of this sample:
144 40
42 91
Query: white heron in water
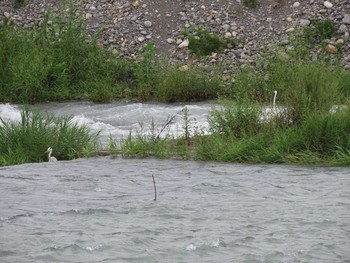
269 113
52 159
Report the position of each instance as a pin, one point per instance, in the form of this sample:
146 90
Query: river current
103 209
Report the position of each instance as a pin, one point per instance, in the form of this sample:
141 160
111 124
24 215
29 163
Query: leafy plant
189 84
251 3
320 30
18 3
203 43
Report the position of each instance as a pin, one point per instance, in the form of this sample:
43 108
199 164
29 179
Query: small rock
228 35
346 19
147 23
170 40
184 68
304 22
88 15
343 29
289 19
340 41
136 4
226 27
179 41
331 49
328 4
184 44
7 15
141 39
296 4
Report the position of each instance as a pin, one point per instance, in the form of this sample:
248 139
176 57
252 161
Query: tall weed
27 140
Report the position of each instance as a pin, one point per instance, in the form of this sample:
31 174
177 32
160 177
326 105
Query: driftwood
155 188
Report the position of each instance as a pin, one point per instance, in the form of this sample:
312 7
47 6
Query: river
102 209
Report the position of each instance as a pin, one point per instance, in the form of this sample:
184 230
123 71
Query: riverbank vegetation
58 62
27 140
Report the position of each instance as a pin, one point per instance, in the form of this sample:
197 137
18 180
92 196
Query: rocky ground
129 24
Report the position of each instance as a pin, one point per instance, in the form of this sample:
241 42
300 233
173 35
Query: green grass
191 84
204 43
27 140
18 3
251 3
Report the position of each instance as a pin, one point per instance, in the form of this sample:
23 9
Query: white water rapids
117 120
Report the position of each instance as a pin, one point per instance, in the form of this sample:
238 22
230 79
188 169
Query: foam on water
119 120
10 113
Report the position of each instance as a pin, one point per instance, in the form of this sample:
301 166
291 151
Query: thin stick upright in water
155 189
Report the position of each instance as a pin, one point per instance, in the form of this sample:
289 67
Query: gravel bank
129 24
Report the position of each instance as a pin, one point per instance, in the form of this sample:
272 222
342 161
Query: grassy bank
58 61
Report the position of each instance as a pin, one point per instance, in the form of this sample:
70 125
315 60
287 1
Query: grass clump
18 3
320 138
27 140
203 43
186 83
320 30
251 3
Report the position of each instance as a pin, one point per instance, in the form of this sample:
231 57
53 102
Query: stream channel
102 209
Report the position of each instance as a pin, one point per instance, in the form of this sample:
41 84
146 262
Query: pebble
170 41
296 4
346 19
141 39
131 23
328 4
147 23
184 43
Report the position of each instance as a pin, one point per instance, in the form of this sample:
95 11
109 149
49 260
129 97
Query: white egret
52 159
269 113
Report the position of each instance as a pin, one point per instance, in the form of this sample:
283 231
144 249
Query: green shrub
320 30
186 84
18 3
235 119
203 43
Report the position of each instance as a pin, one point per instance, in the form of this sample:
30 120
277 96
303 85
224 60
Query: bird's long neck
50 152
274 100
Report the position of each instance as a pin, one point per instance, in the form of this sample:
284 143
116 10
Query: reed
27 140
187 83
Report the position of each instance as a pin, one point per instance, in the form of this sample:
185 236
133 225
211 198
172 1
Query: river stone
296 4
88 15
141 39
343 29
304 22
147 23
328 4
346 19
340 41
184 43
331 49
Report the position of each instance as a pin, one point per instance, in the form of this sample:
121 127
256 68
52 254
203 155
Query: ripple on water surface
102 210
